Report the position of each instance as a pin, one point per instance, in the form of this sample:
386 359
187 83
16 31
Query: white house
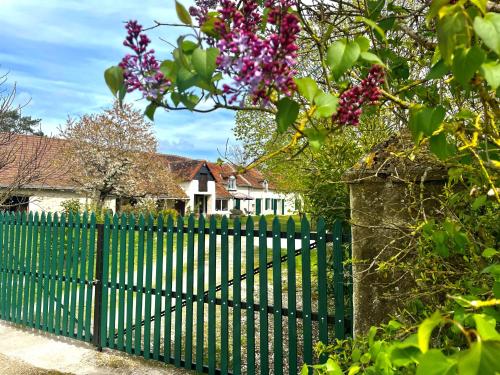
201 186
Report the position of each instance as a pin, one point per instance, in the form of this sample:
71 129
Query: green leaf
489 252
204 62
425 330
481 358
452 33
114 79
332 368
493 270
341 56
183 14
488 29
371 58
371 335
479 202
188 46
365 358
185 79
288 110
374 8
387 23
486 327
150 111
394 325
190 100
481 4
353 370
169 69
491 72
363 43
208 26
374 26
466 63
305 370
436 5
424 121
438 70
326 105
355 355
316 138
307 87
405 355
440 146
435 363
176 98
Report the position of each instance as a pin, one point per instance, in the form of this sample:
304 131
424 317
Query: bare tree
22 159
114 154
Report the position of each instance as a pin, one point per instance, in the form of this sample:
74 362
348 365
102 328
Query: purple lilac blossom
141 69
352 100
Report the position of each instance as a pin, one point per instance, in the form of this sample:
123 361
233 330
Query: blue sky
57 50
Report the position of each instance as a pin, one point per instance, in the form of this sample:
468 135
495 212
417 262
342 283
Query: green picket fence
47 268
194 293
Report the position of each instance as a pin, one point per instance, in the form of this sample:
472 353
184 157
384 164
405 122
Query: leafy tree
315 174
14 121
114 154
432 69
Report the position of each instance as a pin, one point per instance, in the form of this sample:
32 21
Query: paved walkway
24 351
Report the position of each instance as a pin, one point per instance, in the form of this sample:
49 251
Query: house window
268 203
231 184
221 205
16 204
203 182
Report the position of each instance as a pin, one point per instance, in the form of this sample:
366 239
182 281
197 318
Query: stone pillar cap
397 159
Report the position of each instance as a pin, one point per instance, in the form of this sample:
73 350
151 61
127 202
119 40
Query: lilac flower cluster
259 61
141 70
201 9
367 92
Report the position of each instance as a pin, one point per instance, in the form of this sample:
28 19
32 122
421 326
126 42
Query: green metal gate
47 268
214 296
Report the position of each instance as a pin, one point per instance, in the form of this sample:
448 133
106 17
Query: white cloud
57 52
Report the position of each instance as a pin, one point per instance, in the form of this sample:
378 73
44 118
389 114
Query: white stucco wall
50 200
191 189
250 205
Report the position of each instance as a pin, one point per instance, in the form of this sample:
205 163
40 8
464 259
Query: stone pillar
384 195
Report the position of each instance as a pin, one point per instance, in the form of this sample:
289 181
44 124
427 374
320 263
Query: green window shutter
258 206
238 204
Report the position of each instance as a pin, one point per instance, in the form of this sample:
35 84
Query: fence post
338 279
96 337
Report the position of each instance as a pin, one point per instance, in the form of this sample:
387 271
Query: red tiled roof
40 157
221 191
48 171
252 178
185 170
52 175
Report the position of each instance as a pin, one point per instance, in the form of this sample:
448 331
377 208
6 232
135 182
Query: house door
200 204
258 206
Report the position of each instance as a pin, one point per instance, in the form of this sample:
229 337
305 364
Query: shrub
71 206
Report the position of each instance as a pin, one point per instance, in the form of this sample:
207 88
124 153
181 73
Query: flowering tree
114 153
431 68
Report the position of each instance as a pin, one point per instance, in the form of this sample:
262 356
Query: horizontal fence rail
217 296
